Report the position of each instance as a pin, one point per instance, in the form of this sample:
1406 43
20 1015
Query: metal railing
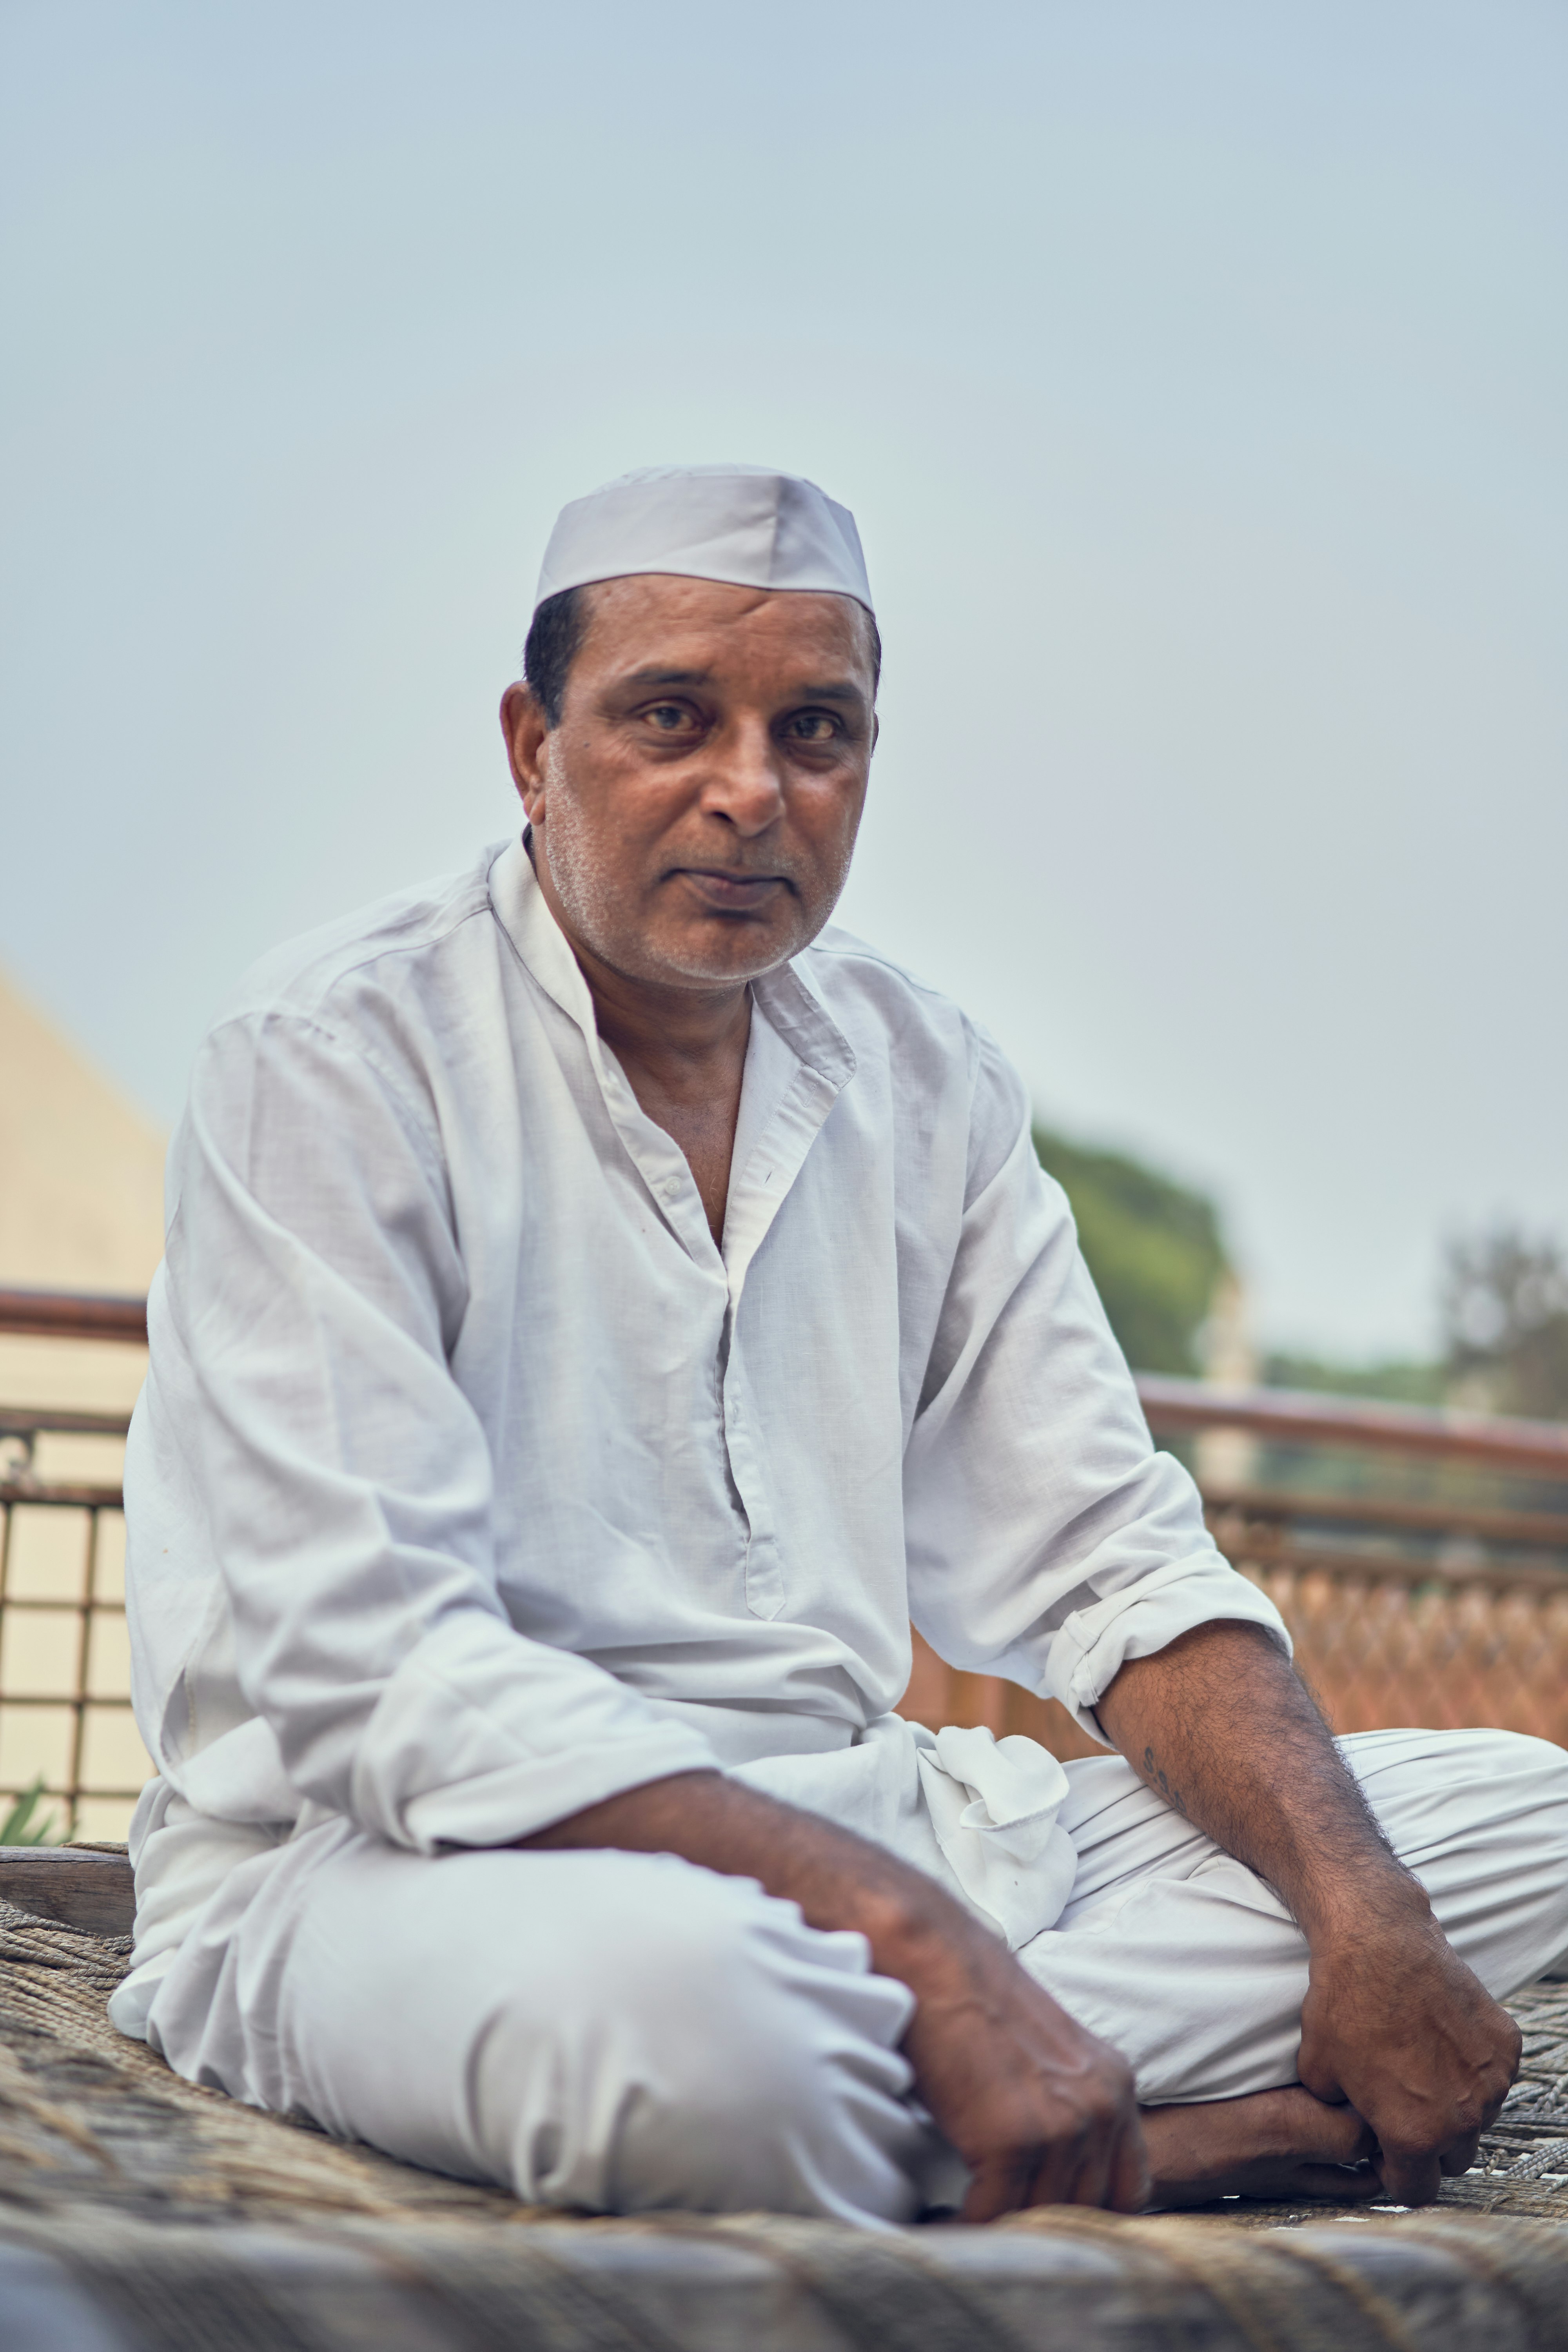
1295 1416
64 1699
73 1315
1326 1475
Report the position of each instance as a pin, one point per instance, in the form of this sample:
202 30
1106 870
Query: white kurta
473 1484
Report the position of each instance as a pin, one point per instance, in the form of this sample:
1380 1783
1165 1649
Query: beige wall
82 1185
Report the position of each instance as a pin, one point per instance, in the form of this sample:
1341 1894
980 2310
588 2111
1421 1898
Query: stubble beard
607 921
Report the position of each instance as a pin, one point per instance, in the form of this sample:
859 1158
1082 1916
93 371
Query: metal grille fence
65 1693
65 1681
1383 1646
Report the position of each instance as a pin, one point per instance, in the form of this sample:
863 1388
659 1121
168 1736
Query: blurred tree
1153 1248
1505 1322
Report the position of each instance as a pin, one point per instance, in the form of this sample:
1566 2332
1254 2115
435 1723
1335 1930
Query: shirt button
671 1187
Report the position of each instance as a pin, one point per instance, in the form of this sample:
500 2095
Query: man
601 1307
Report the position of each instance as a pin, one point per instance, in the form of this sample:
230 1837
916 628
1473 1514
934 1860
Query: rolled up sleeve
1047 1540
311 1292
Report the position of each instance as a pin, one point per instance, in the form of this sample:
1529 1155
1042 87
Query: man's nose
745 782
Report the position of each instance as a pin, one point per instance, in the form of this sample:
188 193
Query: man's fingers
987 2198
1007 2182
1419 2047
1120 2177
1061 2167
1086 2168
1409 2179
1091 2181
1036 2107
1101 2164
1319 2075
1132 2182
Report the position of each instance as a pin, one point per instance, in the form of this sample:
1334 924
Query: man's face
695 809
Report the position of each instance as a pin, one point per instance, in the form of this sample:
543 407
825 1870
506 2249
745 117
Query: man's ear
525 729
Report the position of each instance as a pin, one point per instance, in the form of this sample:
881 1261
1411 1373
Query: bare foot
1279 2144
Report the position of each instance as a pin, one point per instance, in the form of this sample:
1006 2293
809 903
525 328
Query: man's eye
669 717
813 727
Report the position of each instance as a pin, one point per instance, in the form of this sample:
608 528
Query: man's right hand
1041 2112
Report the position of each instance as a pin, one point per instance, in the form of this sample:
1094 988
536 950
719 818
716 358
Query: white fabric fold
994 1804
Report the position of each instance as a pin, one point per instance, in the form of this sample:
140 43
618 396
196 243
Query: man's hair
554 635
555 638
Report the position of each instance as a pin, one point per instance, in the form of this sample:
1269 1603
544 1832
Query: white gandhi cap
744 523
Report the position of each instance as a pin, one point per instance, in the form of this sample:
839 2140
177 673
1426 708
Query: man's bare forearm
1222 1724
839 1880
1393 2023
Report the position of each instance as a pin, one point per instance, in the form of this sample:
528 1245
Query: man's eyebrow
832 690
668 678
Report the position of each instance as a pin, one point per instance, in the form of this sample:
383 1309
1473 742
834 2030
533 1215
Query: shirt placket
754 1201
824 1065
771 1171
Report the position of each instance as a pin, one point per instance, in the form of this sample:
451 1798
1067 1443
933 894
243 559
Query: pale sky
1197 372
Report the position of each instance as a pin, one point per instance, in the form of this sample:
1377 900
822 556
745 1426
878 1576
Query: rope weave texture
194 2222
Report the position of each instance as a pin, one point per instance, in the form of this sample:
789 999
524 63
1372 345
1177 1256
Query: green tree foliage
1153 1248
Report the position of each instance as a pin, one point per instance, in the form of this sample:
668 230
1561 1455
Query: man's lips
732 892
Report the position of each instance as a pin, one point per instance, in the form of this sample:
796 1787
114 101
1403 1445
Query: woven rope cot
142 2213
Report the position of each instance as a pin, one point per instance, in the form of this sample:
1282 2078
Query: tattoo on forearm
1156 1780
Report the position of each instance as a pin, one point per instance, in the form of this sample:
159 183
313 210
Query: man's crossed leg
622 2031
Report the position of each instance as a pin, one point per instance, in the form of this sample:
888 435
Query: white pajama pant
626 2031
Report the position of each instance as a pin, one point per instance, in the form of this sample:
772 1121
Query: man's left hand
1396 2025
